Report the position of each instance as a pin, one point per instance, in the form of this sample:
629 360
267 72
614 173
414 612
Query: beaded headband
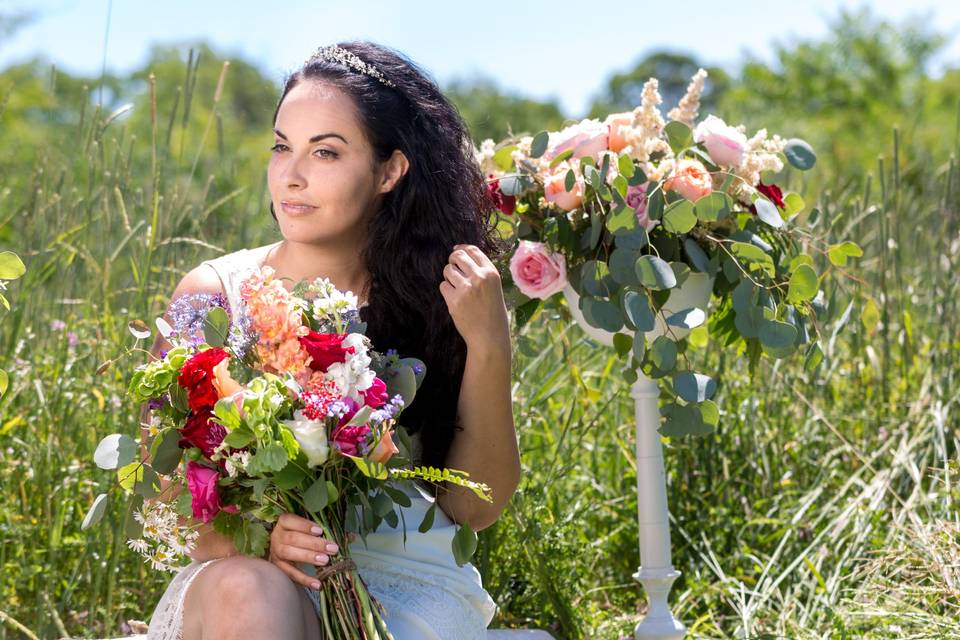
341 55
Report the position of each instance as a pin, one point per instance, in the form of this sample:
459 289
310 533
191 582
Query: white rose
312 436
724 143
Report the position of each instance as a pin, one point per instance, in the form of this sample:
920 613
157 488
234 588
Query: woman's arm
487 447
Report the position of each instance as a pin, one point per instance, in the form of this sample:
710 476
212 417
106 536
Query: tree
491 113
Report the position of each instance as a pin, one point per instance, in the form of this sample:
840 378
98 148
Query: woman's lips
295 209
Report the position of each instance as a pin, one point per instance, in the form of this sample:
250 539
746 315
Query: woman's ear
394 168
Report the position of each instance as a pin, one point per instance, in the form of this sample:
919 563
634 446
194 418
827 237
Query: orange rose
555 191
225 385
384 449
690 179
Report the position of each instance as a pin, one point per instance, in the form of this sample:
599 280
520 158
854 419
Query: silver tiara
341 55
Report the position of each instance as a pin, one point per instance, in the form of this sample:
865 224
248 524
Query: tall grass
823 507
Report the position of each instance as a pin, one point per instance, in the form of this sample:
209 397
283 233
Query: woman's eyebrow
316 138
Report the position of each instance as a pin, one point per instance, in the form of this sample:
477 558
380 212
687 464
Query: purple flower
58 325
72 339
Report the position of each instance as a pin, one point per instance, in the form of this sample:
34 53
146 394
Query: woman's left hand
474 296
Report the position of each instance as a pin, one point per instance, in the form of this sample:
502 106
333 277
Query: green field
824 506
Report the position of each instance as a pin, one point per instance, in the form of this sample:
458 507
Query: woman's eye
330 154
326 153
277 146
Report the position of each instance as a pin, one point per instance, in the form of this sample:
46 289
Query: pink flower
690 179
376 394
555 190
202 484
637 199
619 124
724 143
537 272
349 439
586 138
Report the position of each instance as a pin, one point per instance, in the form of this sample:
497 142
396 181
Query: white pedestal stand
656 572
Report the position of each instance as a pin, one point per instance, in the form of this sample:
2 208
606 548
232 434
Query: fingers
298 576
298 523
454 276
295 542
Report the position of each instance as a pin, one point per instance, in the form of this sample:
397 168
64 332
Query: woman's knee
237 578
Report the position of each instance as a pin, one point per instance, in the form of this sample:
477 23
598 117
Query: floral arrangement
620 214
283 408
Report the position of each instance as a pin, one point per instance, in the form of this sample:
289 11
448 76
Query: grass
823 507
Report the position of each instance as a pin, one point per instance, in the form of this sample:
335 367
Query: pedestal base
659 623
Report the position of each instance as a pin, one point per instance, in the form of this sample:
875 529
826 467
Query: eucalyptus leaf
638 311
539 144
800 154
803 284
95 513
464 544
655 273
216 326
114 451
694 387
663 353
768 212
679 217
687 318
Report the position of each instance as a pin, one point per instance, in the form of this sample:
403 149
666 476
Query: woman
373 184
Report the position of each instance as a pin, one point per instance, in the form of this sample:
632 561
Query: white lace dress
425 595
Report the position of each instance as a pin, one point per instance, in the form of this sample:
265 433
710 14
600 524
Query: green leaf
131 528
129 475
838 253
679 136
315 499
402 380
227 413
399 497
710 413
623 218
166 452
803 284
427 521
148 483
11 266
655 202
539 144
694 387
114 451
777 334
601 313
622 343
382 505
625 165
682 420
638 311
239 438
792 204
639 347
290 476
663 353
560 157
713 207
768 212
622 261
272 457
754 256
679 217
800 154
503 157
370 468
569 180
697 255
95 513
178 398
216 327
687 318
4 382
464 544
655 273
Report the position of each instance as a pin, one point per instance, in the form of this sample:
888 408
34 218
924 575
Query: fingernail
332 548
315 585
317 531
322 558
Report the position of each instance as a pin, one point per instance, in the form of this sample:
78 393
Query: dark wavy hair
441 201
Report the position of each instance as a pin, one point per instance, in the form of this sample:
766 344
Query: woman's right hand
295 539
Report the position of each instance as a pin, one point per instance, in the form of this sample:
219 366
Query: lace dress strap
232 268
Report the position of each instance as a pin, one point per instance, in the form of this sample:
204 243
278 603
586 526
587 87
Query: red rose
505 203
201 431
196 376
772 192
325 349
376 395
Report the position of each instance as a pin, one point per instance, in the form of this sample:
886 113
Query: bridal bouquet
621 214
284 407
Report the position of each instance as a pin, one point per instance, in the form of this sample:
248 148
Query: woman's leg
246 597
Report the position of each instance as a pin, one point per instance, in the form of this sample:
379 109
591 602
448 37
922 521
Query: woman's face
322 160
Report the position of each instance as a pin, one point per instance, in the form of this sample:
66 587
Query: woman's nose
294 174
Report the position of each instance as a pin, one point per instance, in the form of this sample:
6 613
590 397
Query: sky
559 50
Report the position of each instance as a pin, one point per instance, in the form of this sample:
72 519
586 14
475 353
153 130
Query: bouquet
617 214
283 408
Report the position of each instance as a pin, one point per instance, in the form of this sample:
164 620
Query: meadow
824 506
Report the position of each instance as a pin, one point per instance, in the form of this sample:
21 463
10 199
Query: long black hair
441 201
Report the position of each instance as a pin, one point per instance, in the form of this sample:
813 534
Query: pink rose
618 124
586 138
202 484
724 143
555 189
637 199
690 179
376 394
537 272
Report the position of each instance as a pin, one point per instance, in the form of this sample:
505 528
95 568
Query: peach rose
724 143
225 385
690 179
537 272
555 190
384 449
618 124
586 138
